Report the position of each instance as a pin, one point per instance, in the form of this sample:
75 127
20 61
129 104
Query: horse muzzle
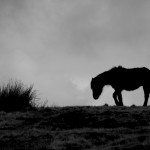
95 97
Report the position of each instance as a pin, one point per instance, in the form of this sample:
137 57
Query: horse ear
92 80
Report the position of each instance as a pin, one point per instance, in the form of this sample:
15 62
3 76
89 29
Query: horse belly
129 86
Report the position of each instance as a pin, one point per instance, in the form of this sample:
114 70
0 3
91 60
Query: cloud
107 22
59 45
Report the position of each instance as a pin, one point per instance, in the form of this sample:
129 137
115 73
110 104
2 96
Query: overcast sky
59 45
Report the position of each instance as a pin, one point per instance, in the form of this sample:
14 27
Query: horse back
130 79
142 73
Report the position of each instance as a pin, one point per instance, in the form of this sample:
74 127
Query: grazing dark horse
122 79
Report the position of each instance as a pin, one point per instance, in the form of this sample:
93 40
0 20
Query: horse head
96 87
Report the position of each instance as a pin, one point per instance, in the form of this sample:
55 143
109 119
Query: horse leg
120 98
146 95
115 98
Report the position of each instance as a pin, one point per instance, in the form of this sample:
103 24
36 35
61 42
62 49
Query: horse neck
104 79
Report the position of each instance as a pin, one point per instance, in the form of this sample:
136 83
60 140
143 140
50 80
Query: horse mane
116 68
113 69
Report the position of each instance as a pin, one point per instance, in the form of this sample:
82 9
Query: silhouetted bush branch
15 96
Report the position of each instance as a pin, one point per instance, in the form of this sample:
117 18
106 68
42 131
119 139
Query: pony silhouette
120 79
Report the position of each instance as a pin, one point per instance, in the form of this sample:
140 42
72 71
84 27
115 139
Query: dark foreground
76 128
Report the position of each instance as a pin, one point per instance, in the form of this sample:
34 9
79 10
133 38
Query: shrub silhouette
14 96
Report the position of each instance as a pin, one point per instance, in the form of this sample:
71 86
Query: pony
120 79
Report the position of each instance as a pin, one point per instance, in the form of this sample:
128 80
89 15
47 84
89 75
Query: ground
76 128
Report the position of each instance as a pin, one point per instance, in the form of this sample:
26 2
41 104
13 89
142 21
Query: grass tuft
14 96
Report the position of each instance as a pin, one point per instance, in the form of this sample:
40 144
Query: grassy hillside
76 128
